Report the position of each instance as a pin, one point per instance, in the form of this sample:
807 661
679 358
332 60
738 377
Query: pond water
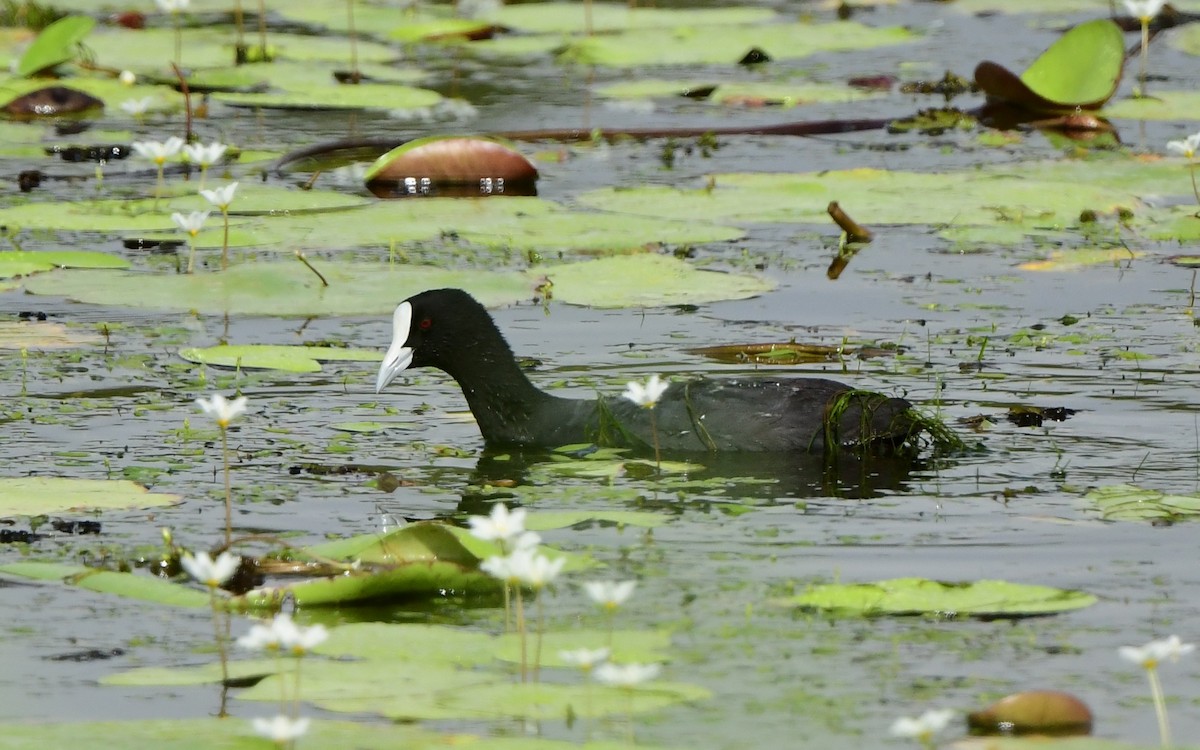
1124 361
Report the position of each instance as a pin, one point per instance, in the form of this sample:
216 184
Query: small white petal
281 729
626 675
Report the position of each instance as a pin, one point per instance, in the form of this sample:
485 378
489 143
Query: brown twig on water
300 257
855 232
187 103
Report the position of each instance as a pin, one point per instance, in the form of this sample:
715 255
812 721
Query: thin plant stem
296 689
191 268
537 647
355 75
225 454
521 635
216 618
1145 53
160 184
629 716
1160 706
203 175
225 243
612 617
262 28
178 38
240 23
587 17
1192 171
654 433
507 607
282 680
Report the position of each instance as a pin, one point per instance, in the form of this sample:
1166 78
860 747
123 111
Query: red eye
425 324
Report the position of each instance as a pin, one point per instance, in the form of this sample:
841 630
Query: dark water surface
779 679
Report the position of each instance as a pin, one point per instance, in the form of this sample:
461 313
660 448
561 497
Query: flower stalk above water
159 152
204 156
924 727
647 396
1188 148
191 223
610 595
212 573
1144 11
221 198
1148 657
224 411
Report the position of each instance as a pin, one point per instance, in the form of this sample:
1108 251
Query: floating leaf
38 335
277 357
51 101
1070 260
56 44
453 160
1080 70
1127 502
285 289
1163 105
141 586
567 17
914 596
1042 712
786 353
553 701
32 496
22 263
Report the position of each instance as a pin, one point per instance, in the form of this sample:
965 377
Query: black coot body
448 329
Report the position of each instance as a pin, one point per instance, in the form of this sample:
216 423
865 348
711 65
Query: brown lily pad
1034 712
52 101
453 161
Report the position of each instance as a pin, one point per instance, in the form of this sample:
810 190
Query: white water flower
221 197
924 727
127 78
1144 10
191 223
283 634
1155 652
137 107
205 156
220 408
280 729
609 594
159 152
172 6
210 572
500 525
626 675
534 570
1186 147
646 395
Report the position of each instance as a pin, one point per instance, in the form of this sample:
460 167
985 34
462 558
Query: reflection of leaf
1069 260
911 596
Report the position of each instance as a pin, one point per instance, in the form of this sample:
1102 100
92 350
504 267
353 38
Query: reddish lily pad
52 101
1034 712
452 160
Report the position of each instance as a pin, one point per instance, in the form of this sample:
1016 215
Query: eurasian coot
448 329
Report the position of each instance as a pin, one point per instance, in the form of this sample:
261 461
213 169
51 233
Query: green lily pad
244 670
276 357
335 96
647 281
1080 70
1127 502
23 263
1163 105
547 520
361 427
56 44
966 198
33 496
287 289
140 586
211 733
700 45
783 94
568 17
914 596
553 701
638 646
1083 257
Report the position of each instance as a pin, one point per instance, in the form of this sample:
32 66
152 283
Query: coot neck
508 407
